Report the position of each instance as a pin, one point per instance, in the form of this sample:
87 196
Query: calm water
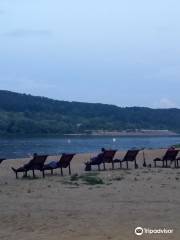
21 147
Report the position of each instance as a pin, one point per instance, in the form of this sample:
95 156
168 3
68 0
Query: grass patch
92 174
89 179
74 177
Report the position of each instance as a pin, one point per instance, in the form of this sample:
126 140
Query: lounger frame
170 155
37 163
64 162
130 156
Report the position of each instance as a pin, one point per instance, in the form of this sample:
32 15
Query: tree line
22 114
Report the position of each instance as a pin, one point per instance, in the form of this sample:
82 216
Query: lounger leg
43 174
69 169
33 173
112 165
127 164
104 166
16 175
135 164
99 168
61 171
163 164
120 164
51 171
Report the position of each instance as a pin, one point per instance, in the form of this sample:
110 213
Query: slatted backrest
66 159
108 155
131 155
171 154
38 161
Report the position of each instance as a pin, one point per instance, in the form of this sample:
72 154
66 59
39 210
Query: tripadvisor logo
140 231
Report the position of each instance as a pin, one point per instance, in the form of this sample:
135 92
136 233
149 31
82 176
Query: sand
55 208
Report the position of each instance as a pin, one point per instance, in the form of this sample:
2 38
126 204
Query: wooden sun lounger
108 157
130 156
102 158
64 162
37 163
170 155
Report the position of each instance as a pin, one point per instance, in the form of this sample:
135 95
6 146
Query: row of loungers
107 156
38 163
130 156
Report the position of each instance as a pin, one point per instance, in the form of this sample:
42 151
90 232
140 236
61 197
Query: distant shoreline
99 133
147 133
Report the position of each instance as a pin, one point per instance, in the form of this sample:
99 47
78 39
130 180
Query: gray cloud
28 33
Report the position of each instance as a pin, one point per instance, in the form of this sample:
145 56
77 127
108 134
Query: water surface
22 147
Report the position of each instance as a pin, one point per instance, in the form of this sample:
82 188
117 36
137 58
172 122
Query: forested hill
23 114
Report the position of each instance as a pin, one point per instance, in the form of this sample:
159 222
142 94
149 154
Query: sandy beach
61 208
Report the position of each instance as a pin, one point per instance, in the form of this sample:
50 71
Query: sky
118 52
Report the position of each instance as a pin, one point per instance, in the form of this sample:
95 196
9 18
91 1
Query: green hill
22 114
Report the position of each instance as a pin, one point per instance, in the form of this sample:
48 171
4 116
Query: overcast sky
119 52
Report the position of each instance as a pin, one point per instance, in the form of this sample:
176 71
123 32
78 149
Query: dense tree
25 114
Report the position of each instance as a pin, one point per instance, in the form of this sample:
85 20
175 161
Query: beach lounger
102 158
37 163
64 162
130 156
170 155
108 157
